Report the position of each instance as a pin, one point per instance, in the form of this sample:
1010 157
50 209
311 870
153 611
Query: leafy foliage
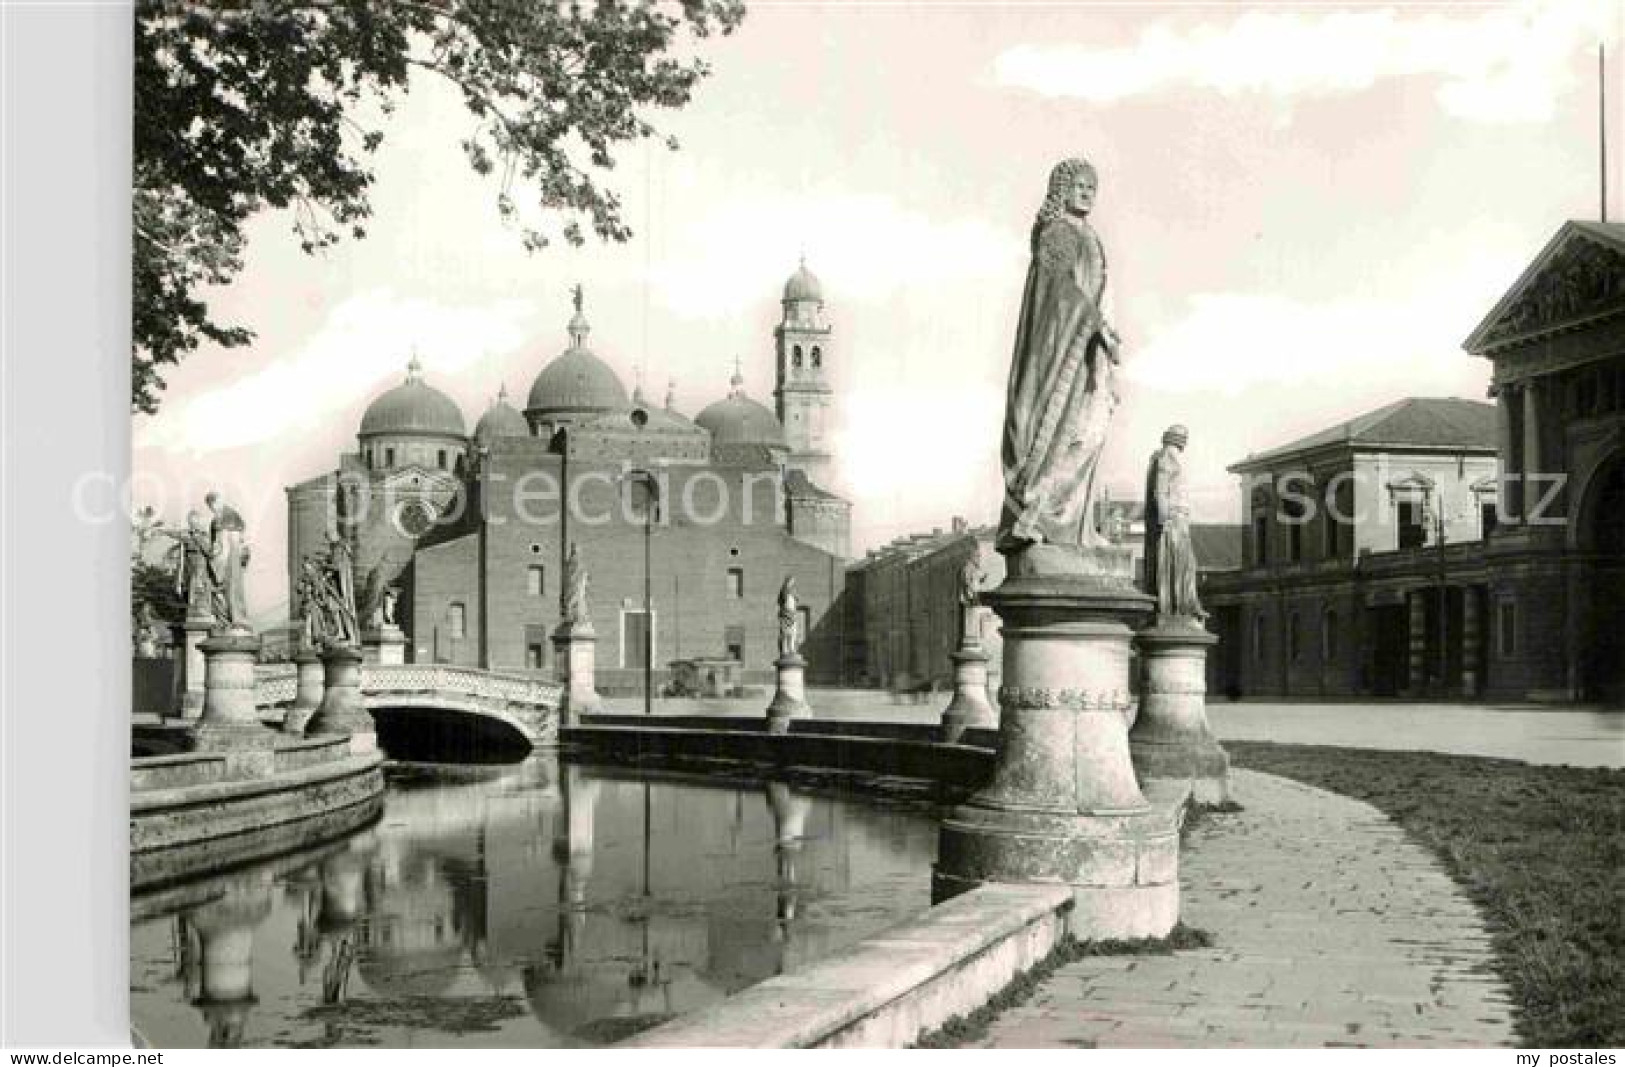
282 104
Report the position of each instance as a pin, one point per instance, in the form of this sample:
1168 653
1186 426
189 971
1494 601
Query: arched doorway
1602 540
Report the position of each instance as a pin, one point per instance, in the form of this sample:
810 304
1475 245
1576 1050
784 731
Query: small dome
739 420
501 419
804 285
577 380
413 408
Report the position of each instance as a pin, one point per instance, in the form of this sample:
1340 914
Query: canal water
536 905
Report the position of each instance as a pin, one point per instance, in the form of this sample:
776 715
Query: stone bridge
435 710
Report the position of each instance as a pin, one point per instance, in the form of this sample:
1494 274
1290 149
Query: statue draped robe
1061 394
1170 558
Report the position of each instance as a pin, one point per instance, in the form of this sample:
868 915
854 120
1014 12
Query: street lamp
1438 518
651 511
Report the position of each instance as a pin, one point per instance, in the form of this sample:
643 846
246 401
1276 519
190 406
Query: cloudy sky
1305 208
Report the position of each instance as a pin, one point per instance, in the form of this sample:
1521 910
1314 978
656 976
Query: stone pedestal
575 654
1063 805
341 710
384 645
307 695
229 722
1175 753
190 666
969 706
789 694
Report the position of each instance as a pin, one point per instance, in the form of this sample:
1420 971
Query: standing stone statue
338 593
789 619
315 622
1062 388
386 605
1170 560
573 592
970 591
229 555
194 575
146 631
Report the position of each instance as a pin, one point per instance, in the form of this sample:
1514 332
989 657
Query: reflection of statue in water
228 558
789 618
573 593
1170 559
1062 375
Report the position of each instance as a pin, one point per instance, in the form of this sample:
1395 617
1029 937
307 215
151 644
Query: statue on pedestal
195 582
789 619
573 592
1062 389
1170 559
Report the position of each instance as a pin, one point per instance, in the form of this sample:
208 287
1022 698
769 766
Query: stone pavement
1330 928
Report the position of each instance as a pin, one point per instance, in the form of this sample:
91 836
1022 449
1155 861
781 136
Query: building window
1487 516
736 583
795 357
535 579
1328 637
1293 649
1261 540
534 657
817 356
389 457
1412 529
636 639
457 621
1506 628
733 641
1258 638
440 459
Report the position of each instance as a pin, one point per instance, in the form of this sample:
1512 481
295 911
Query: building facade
1449 548
474 528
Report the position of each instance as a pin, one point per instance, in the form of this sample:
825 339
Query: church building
473 527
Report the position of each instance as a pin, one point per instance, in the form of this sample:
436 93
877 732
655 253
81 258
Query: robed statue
1063 371
191 558
229 556
1170 559
573 591
971 576
789 618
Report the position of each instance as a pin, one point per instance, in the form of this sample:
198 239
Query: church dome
413 408
804 285
739 420
577 380
501 419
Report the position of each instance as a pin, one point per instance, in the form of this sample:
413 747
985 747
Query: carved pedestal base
342 710
190 667
307 695
789 694
1063 804
229 723
574 653
969 706
1174 750
384 645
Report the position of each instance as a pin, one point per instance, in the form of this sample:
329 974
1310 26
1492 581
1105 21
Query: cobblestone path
1330 928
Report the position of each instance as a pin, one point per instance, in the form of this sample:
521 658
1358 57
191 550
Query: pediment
1577 278
413 478
1414 482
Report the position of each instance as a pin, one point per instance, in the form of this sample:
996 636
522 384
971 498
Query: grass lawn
1541 850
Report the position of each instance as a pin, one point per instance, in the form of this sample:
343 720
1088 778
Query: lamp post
651 510
1438 517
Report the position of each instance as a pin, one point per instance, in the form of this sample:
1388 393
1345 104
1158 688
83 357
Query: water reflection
537 905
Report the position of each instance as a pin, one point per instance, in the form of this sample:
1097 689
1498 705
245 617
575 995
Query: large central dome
738 420
576 381
413 408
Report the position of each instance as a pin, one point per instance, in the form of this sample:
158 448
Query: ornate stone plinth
342 710
1063 805
384 645
789 694
969 706
190 667
575 654
1175 753
307 694
229 722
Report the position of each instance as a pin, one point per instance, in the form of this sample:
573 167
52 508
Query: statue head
1176 435
212 500
1072 184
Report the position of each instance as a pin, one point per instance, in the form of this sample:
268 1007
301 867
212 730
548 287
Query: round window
413 518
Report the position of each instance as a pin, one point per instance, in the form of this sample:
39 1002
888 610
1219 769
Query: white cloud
868 247
364 343
1502 64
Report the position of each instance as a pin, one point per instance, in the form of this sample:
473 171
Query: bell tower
803 394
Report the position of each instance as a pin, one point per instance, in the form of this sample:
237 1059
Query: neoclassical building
1483 554
473 527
